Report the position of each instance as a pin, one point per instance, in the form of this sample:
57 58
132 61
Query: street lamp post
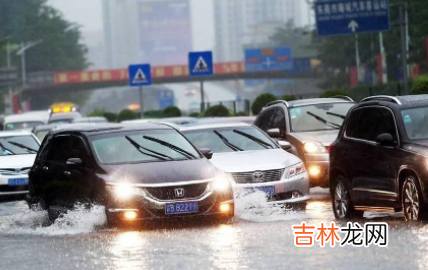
21 52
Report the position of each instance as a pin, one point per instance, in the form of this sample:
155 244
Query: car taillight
330 148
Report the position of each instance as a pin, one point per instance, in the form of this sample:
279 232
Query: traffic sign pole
403 26
140 88
202 97
357 58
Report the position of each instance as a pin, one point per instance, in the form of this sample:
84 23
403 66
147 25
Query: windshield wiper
6 149
142 150
330 124
337 115
254 139
28 149
171 146
226 142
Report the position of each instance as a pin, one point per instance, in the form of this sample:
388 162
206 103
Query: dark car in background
310 126
138 173
380 160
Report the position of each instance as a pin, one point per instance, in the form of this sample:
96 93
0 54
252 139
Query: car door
373 170
56 187
81 177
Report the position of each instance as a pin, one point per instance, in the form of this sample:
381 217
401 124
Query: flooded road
260 237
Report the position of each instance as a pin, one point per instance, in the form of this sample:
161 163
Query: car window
238 136
352 127
318 117
372 122
267 119
44 150
142 146
22 125
415 122
279 121
18 145
60 149
79 149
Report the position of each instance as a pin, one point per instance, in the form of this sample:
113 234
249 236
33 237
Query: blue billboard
165 31
351 17
260 59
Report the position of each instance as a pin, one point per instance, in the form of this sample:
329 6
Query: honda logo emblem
179 192
258 176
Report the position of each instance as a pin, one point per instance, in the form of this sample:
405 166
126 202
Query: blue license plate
18 182
181 208
268 190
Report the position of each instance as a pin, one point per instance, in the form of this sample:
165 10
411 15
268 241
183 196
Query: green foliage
171 111
195 114
288 97
334 92
26 21
216 111
127 115
420 85
152 114
241 114
261 101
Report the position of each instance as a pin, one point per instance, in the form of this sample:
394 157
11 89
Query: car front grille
14 171
192 191
254 176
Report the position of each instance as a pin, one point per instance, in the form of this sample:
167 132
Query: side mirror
385 139
274 133
284 145
74 163
208 153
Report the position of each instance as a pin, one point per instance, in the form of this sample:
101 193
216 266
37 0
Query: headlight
296 169
314 148
124 191
222 183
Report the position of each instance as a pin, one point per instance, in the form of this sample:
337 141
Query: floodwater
259 237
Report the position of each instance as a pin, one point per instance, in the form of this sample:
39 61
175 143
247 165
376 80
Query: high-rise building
147 31
243 22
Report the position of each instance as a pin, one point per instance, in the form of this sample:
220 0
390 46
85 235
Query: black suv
138 173
310 126
380 160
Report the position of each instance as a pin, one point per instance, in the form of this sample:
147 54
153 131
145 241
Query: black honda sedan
380 160
139 173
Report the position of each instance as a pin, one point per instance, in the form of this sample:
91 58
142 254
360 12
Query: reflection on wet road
260 237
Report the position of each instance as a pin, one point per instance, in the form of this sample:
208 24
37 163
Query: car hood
162 172
17 161
325 137
247 161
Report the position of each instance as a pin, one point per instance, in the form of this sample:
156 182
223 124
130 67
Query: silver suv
310 126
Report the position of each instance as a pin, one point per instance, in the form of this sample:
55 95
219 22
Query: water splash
36 222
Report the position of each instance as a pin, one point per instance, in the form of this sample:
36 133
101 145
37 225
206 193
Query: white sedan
18 151
256 162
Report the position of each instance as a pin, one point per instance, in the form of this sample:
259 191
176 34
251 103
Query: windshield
41 134
18 145
237 139
415 121
142 146
22 125
326 116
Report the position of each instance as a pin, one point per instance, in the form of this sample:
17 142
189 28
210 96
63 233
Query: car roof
409 101
14 133
95 129
232 119
212 126
23 118
311 101
69 115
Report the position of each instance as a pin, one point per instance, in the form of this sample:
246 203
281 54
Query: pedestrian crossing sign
140 75
201 64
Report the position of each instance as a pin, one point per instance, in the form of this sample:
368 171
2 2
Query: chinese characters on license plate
18 182
181 208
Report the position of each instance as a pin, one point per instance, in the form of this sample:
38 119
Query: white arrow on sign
353 25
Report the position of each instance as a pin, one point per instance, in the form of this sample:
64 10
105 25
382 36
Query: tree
261 101
127 115
334 92
171 111
420 85
288 97
216 111
111 117
26 21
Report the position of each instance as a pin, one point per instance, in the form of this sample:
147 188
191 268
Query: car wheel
342 204
412 200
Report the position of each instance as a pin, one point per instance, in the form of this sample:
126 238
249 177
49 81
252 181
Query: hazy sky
88 14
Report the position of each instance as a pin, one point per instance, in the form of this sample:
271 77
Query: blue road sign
201 64
268 59
351 17
140 75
